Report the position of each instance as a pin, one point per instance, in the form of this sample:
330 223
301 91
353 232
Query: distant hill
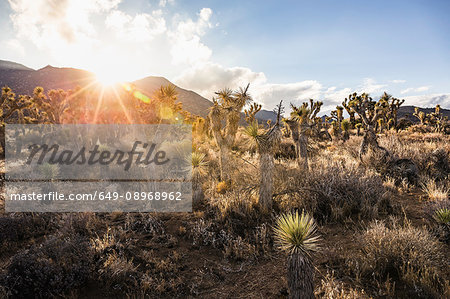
9 65
23 80
407 112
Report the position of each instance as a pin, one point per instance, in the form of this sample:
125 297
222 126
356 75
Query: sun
109 78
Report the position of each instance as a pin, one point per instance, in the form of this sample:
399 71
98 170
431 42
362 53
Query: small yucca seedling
442 216
297 235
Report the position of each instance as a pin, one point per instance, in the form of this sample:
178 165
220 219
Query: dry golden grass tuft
405 253
331 288
435 191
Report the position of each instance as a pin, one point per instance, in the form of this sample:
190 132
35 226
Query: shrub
17 228
51 269
435 191
330 288
405 253
334 192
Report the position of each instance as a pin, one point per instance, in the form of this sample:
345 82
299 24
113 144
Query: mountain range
23 80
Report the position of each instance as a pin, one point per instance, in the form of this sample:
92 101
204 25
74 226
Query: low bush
51 269
404 254
333 192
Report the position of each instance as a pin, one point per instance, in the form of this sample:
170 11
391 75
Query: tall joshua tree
266 142
297 236
302 119
337 116
350 112
224 116
369 111
392 106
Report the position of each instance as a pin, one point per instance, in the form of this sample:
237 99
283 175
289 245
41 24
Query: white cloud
47 22
209 77
16 46
163 3
412 89
429 101
142 27
186 40
398 81
370 86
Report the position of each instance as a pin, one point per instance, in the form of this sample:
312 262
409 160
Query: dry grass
435 191
405 253
331 288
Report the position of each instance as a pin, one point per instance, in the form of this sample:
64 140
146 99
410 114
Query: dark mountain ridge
23 80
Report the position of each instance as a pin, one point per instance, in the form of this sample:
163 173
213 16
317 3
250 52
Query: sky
286 50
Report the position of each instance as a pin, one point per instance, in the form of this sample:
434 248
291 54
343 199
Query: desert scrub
52 269
405 254
16 228
435 191
331 288
333 192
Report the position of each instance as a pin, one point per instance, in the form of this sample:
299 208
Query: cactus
226 109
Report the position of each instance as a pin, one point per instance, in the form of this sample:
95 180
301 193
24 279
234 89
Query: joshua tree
302 119
13 110
336 117
391 105
438 120
369 111
420 115
54 106
226 110
266 143
297 236
350 112
250 113
358 129
345 126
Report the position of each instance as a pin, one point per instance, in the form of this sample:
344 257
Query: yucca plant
199 168
297 236
252 131
442 216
